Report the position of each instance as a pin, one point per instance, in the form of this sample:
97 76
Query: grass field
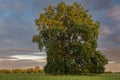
48 77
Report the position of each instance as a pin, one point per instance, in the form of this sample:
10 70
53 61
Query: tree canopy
69 35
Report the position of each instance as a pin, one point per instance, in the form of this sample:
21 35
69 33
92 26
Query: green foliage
69 35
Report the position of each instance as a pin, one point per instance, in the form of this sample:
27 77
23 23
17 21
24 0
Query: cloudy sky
17 28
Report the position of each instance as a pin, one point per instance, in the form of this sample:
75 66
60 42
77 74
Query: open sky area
17 28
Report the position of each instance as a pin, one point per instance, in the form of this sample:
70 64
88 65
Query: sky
17 28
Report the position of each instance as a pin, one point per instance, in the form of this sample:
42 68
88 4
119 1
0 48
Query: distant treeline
29 70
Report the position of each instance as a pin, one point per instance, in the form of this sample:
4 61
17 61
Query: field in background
35 76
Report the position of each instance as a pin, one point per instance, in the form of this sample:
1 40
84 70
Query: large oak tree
69 35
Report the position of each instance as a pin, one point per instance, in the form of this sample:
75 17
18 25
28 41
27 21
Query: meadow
36 76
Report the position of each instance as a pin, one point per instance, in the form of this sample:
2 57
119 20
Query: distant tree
37 69
4 71
29 70
69 35
17 71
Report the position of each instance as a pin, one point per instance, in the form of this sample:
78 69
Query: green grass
48 77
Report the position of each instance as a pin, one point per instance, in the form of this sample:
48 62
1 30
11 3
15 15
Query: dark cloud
20 49
112 21
100 4
17 24
115 38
